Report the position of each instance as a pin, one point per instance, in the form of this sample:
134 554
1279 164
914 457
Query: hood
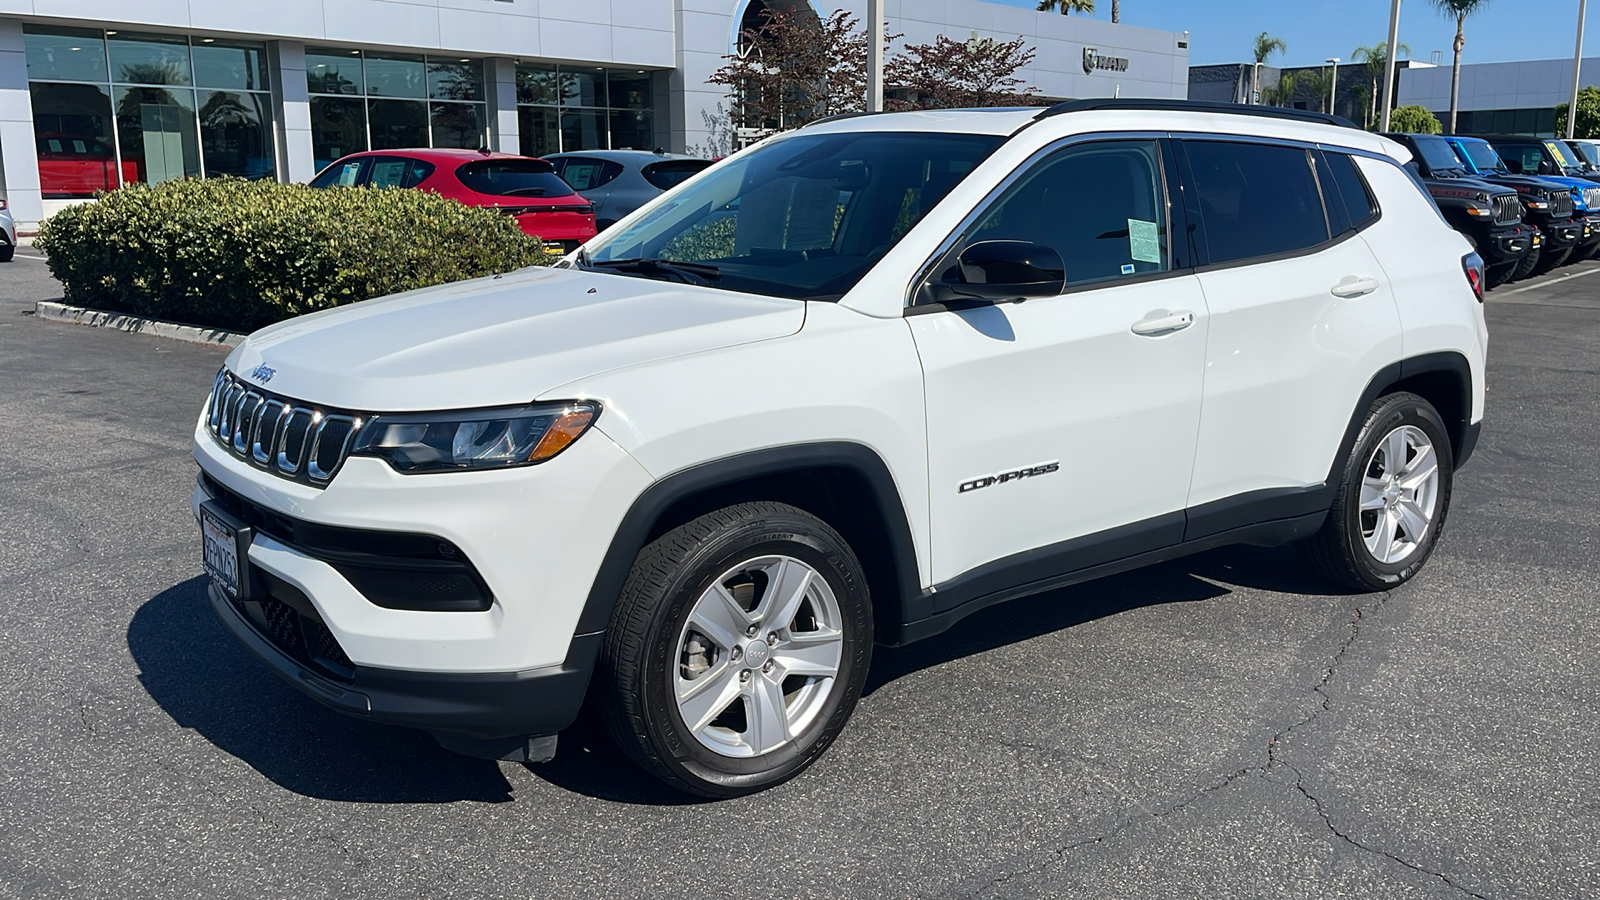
499 341
1466 183
1543 182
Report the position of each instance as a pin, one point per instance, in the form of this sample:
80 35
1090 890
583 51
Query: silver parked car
618 182
8 233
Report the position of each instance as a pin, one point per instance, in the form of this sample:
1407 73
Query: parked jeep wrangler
1480 157
846 387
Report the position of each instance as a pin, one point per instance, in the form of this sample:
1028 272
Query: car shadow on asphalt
206 680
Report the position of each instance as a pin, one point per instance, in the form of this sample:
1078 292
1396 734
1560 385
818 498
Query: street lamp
1333 85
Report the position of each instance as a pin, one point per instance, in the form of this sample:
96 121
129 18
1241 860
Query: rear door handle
1351 286
1162 322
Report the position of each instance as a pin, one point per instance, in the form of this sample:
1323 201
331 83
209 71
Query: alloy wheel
1399 494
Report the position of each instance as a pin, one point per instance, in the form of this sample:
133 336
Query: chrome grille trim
1507 209
1591 198
255 426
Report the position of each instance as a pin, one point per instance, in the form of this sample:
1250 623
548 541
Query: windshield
1562 154
1589 152
802 217
1483 156
1437 153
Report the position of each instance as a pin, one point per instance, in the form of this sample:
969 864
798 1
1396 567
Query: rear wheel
1391 501
1551 259
738 649
7 252
1498 275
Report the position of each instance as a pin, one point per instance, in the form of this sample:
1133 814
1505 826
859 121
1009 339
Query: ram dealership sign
1093 60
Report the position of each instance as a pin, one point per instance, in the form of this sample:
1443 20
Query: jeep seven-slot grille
1560 204
1591 198
1507 209
290 439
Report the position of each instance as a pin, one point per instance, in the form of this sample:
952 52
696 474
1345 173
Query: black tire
1526 264
1338 552
7 252
1550 259
641 650
1498 275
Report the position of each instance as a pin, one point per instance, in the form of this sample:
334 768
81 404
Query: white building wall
1533 84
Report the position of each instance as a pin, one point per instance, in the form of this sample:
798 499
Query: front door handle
1351 286
1162 322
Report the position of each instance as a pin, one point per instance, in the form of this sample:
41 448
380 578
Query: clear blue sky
1222 31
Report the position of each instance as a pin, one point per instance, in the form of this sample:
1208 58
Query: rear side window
1352 188
341 174
586 174
393 171
513 178
673 172
1256 199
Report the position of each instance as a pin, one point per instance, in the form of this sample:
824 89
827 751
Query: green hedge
239 255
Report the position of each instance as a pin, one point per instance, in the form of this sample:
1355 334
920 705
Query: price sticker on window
1144 241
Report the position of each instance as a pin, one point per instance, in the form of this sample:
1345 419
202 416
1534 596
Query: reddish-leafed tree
796 68
949 74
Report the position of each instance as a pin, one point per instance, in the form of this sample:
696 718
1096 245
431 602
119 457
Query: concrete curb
60 312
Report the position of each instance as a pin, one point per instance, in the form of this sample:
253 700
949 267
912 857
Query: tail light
1472 265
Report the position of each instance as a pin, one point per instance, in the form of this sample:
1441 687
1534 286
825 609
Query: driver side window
1102 206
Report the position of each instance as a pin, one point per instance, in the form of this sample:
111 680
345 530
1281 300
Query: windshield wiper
692 273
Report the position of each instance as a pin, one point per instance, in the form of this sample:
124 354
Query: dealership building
95 94
1499 98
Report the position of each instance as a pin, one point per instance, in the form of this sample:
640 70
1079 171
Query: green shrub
239 255
1414 120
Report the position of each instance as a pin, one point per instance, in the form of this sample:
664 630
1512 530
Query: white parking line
1494 294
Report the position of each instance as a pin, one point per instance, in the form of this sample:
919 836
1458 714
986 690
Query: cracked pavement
1220 726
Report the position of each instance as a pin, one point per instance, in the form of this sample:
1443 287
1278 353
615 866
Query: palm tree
1319 82
1283 94
1376 59
1116 11
1266 46
1460 9
1069 6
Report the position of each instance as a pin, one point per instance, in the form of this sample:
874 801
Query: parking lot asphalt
1219 726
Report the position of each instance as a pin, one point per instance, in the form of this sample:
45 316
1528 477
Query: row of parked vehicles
1527 204
542 194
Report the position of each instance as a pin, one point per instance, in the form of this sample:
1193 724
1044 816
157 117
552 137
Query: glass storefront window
328 73
632 129
458 125
539 128
234 138
461 80
72 132
66 55
393 124
156 132
567 108
338 128
149 60
227 64
396 76
583 129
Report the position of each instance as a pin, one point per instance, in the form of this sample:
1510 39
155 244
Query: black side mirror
1002 272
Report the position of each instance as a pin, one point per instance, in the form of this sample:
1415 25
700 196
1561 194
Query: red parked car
72 166
521 186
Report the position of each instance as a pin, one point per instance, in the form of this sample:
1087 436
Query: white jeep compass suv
843 388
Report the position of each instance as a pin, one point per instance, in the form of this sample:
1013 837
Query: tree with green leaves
1266 46
1414 120
1283 93
1588 124
1319 82
1375 60
1460 9
1068 6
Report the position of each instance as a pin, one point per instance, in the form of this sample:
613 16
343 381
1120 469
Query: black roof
1207 106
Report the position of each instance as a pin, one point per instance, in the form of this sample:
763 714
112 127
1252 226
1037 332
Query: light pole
874 55
1388 66
1577 64
1333 85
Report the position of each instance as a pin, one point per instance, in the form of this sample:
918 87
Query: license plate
221 553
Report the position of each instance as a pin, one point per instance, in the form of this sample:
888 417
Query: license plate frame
224 545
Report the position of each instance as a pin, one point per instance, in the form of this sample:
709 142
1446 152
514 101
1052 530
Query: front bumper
1507 244
1561 233
492 713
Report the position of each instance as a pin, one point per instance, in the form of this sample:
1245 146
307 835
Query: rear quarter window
513 178
670 173
1256 199
586 174
1352 188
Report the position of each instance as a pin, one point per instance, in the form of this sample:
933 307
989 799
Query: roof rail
1204 106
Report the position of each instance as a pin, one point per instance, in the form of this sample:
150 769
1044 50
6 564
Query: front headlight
474 439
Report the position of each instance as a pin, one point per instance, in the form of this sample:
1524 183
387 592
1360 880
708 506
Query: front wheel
738 649
1391 500
1551 259
1526 264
